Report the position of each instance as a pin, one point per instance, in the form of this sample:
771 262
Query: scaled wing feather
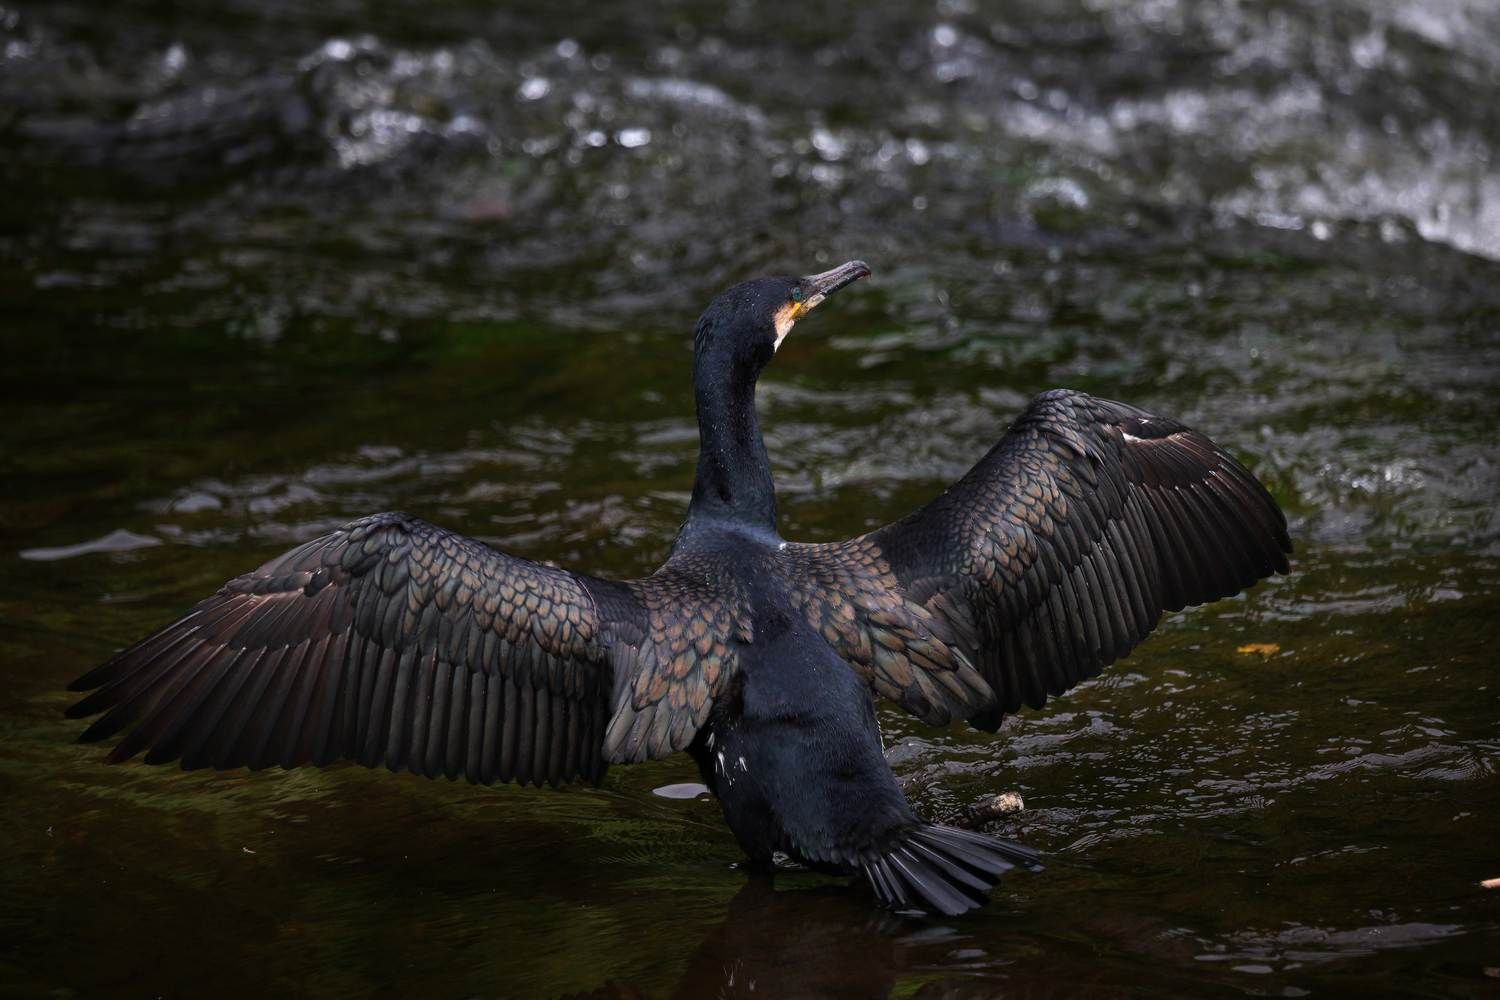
389 641
1058 552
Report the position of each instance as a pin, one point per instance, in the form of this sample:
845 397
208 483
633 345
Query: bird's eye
797 293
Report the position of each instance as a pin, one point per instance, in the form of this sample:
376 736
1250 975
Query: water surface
266 268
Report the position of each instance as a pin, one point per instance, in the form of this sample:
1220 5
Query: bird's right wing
389 641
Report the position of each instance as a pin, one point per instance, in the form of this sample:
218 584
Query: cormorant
394 641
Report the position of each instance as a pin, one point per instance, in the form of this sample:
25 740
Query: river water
268 266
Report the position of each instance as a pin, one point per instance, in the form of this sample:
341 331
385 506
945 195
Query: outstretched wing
390 641
1058 552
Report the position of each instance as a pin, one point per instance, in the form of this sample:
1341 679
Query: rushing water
270 266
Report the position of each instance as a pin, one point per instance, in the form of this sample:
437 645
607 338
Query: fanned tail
944 869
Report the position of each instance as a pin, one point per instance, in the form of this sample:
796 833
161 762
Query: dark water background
268 266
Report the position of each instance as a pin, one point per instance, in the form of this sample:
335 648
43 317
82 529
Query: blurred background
266 266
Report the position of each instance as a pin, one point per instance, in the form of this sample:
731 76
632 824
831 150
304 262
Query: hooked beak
817 287
813 289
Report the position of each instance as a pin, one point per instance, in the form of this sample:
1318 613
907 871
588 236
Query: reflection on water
805 943
272 266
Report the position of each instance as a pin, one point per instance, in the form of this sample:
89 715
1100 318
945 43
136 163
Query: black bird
393 641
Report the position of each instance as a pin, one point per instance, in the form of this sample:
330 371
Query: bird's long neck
734 473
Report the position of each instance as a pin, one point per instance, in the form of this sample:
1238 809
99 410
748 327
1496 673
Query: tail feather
945 869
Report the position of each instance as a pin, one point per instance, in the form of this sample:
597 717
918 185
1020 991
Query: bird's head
747 323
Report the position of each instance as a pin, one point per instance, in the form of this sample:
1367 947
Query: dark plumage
393 641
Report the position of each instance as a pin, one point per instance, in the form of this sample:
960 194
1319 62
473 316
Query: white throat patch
784 324
787 317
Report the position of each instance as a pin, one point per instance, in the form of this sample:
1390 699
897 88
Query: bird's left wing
1054 556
